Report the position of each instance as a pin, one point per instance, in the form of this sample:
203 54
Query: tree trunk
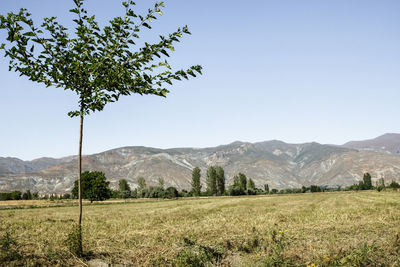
80 184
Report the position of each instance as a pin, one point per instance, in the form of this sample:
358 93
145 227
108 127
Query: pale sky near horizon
296 71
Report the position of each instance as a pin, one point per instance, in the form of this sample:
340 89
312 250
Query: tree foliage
266 188
242 181
124 188
99 65
123 185
211 181
220 180
250 184
367 182
196 184
251 187
239 186
394 185
95 186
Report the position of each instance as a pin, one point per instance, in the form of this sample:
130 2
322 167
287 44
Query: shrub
171 192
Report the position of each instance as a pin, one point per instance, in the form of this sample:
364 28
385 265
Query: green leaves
99 65
29 34
74 10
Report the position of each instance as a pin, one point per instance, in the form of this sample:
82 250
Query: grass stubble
324 229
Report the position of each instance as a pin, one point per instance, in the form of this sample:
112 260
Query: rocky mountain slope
389 143
276 163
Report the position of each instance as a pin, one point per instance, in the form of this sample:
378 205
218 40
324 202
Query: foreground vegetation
325 229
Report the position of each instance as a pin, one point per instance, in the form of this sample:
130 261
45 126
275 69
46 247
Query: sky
296 71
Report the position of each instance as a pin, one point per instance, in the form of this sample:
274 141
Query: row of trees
366 184
216 180
95 187
18 195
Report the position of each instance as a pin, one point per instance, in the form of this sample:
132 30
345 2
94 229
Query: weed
74 240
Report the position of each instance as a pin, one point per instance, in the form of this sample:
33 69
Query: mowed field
325 229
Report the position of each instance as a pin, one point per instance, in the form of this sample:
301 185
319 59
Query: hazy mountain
276 163
389 142
15 165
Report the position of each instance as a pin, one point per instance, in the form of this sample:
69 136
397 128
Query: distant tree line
95 187
18 195
366 184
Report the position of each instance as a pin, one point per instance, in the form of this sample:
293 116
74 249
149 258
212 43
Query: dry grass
326 229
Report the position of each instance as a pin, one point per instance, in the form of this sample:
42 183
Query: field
325 229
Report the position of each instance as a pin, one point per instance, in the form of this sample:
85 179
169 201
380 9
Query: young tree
124 188
99 65
211 181
220 180
94 186
196 185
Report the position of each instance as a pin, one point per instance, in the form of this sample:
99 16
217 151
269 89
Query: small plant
278 241
252 243
8 248
74 241
197 255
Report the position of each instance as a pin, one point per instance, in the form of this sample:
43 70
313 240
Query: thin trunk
79 251
80 172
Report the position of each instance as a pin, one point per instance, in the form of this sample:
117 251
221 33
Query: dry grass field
321 229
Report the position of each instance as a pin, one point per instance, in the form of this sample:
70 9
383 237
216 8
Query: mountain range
276 163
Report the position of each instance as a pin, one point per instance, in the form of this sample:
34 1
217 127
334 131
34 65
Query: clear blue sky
297 71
